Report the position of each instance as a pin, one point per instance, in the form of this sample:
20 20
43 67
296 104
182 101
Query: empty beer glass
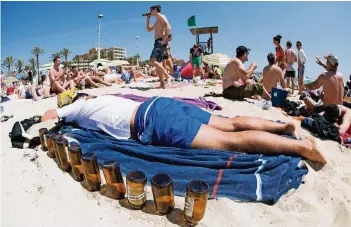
162 190
136 189
92 180
50 143
195 201
62 151
57 157
42 132
114 187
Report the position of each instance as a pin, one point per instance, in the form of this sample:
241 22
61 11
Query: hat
332 59
242 50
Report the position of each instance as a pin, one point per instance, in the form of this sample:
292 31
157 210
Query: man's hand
319 62
253 66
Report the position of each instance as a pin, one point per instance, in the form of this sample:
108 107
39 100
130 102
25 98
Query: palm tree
57 54
19 65
37 51
8 62
27 67
65 53
32 64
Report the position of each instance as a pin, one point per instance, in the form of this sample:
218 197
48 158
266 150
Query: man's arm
148 27
49 115
346 119
246 74
315 84
319 62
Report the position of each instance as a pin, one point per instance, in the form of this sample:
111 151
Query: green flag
192 21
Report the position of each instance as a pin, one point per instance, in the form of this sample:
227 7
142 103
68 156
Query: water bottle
83 83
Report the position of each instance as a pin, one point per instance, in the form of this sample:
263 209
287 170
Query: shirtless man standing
236 83
57 80
272 74
290 70
332 82
162 31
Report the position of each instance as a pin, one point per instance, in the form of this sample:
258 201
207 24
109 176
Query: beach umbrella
216 59
97 61
10 79
48 66
118 63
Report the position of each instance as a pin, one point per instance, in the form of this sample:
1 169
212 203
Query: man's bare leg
310 104
34 93
300 84
57 87
161 72
169 62
89 81
266 95
243 123
256 142
133 72
101 81
293 84
288 82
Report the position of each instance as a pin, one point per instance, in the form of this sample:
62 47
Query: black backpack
19 136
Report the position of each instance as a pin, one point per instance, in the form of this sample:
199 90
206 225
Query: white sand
34 192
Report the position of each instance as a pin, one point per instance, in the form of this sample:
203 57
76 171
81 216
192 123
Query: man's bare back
272 74
333 88
231 75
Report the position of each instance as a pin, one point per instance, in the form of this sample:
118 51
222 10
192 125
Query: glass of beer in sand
75 157
50 143
136 189
195 201
42 132
114 187
92 180
162 190
62 151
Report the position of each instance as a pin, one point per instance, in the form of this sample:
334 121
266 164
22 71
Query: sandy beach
34 192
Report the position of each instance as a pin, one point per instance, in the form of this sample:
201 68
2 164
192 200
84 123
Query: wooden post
211 43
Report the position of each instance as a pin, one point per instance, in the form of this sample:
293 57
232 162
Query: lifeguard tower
207 46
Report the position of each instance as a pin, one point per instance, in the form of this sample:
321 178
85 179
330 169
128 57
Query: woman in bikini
280 59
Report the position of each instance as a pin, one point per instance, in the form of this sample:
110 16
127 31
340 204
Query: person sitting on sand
80 78
57 80
340 114
29 91
272 74
98 75
237 83
332 82
165 121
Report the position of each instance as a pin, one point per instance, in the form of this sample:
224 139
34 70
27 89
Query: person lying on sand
98 75
332 82
30 91
340 113
167 122
57 78
272 74
237 80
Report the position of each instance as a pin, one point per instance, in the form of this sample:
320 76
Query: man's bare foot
293 129
312 152
162 85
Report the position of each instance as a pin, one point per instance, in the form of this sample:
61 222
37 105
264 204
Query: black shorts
318 108
158 50
290 74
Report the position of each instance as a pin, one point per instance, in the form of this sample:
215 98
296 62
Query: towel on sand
200 102
235 175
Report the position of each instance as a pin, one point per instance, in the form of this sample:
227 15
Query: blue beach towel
235 175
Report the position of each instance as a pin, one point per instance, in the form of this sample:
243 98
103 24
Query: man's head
57 61
24 79
154 10
242 53
98 65
298 45
332 62
288 44
196 46
271 58
331 113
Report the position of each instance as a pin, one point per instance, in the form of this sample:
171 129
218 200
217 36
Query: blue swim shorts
167 122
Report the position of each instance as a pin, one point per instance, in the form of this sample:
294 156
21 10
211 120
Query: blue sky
322 27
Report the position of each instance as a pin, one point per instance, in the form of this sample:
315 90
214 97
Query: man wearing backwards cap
236 83
332 82
162 30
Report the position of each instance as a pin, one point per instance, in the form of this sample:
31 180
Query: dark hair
157 7
331 113
55 58
289 44
298 42
271 58
78 96
170 35
99 64
277 38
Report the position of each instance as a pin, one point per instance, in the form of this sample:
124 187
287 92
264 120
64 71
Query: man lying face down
164 121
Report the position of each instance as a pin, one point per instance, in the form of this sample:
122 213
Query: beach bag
65 98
